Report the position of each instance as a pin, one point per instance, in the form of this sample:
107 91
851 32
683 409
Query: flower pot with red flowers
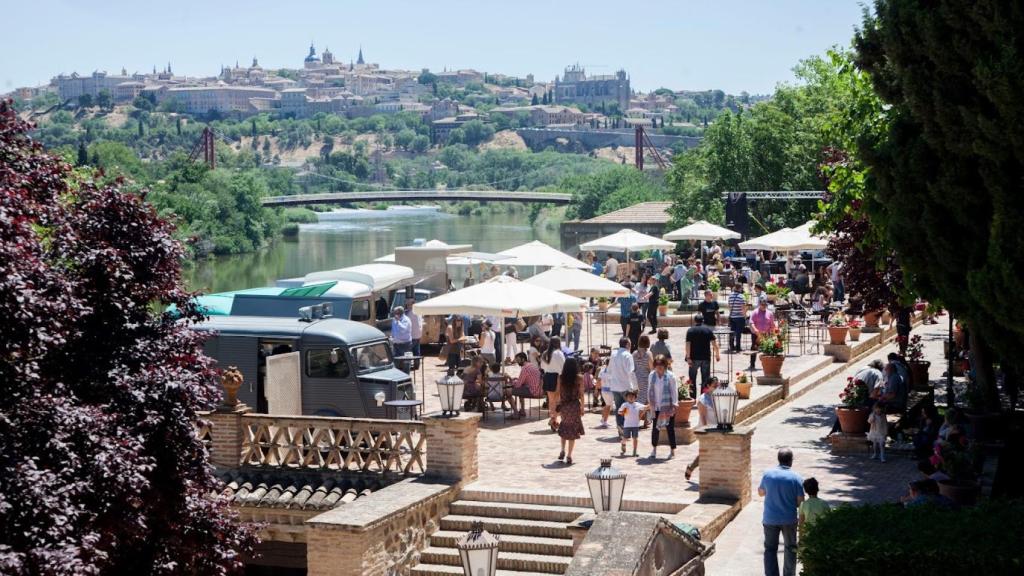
958 459
855 326
852 412
772 352
837 328
743 385
686 403
918 365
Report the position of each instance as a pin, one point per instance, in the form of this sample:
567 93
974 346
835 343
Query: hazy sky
684 44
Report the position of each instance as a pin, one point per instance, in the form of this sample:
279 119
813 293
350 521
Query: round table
396 406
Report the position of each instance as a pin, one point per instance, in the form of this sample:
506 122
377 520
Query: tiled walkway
843 478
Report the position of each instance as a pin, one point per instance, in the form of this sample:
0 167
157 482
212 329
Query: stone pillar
452 446
725 463
226 435
338 552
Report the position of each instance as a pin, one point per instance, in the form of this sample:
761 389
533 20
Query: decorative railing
324 443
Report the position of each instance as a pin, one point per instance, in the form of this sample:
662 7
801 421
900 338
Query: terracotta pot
964 495
871 319
663 310
743 389
772 298
837 334
602 306
854 334
919 375
772 365
886 317
231 380
683 411
853 420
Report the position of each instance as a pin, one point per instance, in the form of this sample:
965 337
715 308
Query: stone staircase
531 528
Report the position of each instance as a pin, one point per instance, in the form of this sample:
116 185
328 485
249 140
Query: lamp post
449 388
479 551
606 487
724 401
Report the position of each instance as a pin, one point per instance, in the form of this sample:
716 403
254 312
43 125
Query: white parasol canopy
537 253
787 240
501 296
627 241
701 230
577 283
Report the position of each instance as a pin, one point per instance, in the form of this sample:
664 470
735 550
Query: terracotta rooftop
644 212
297 490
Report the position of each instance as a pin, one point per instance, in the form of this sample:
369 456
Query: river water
357 237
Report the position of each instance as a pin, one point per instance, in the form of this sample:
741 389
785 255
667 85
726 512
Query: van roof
343 331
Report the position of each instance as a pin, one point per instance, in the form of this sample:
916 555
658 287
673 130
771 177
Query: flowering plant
684 391
714 284
854 323
741 378
855 393
838 320
772 344
955 457
776 289
915 349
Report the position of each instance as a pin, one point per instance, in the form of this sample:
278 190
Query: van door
284 384
329 383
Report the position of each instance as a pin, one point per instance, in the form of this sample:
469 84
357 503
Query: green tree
85 101
476 132
534 102
143 103
83 153
946 175
609 190
420 144
103 100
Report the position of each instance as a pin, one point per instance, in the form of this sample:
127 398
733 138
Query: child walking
630 410
878 431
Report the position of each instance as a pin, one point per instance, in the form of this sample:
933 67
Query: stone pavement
800 425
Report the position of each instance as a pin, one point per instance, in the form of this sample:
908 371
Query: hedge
875 539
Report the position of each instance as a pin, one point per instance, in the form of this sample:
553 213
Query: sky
740 45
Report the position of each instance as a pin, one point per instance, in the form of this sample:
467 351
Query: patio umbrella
769 241
502 296
627 241
701 230
578 283
537 253
787 240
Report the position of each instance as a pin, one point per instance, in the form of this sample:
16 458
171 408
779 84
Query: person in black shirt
653 303
903 317
709 309
700 340
634 325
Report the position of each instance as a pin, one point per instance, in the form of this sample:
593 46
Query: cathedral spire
359 60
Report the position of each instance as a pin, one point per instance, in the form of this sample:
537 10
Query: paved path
843 478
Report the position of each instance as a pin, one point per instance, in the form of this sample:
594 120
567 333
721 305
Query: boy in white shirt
631 411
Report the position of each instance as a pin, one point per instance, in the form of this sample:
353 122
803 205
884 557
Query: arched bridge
412 195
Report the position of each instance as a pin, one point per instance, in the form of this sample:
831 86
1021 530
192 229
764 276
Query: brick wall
226 435
725 464
452 446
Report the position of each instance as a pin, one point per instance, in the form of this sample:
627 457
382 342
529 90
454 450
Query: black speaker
736 218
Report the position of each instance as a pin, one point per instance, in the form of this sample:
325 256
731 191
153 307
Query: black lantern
449 388
479 551
606 487
724 401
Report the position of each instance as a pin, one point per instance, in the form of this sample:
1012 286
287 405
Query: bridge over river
418 195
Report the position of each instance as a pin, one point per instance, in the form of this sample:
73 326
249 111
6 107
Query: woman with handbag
663 395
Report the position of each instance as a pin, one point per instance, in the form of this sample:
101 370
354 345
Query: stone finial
231 380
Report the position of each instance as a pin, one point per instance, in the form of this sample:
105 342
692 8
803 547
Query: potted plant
837 328
852 411
956 459
772 352
872 318
743 385
602 304
855 326
662 304
918 365
714 284
685 405
775 292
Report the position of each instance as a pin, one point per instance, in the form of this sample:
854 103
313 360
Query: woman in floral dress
570 407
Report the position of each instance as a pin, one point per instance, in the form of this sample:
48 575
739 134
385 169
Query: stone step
445 570
510 543
517 510
493 494
513 526
506 560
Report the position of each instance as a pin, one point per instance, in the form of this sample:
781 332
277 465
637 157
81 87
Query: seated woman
473 378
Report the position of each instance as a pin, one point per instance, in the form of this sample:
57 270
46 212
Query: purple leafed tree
100 468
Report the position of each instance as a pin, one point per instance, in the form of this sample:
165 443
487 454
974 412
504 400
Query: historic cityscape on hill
346 318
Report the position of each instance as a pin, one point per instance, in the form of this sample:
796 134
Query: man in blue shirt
783 491
401 335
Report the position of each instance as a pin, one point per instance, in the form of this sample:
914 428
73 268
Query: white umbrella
701 230
470 258
578 283
787 240
502 296
627 241
537 253
769 241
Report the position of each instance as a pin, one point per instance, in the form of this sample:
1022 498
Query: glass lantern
724 402
449 388
479 552
606 487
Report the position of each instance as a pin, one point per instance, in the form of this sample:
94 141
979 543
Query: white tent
471 258
787 240
701 230
577 283
503 297
537 253
769 241
627 241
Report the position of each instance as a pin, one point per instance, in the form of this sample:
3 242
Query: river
358 237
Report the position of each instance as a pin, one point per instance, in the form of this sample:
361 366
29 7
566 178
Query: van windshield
371 357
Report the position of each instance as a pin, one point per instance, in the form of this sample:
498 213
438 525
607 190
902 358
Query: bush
300 216
987 539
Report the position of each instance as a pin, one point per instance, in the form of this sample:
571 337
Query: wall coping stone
366 513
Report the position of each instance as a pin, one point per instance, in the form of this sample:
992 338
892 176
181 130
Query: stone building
223 99
574 87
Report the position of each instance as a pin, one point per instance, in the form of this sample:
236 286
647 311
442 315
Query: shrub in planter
743 385
890 539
